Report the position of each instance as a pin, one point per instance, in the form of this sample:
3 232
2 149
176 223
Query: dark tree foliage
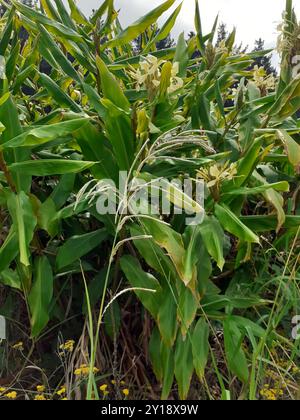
222 33
166 43
264 61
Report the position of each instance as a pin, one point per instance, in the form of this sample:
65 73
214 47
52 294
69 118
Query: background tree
222 33
266 60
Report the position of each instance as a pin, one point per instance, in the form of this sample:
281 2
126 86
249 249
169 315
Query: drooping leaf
78 246
142 280
40 135
214 239
200 347
236 358
134 30
48 167
233 224
41 295
24 220
184 367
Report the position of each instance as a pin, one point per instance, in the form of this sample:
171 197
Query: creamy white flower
148 75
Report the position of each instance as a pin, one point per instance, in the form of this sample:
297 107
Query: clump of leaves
77 106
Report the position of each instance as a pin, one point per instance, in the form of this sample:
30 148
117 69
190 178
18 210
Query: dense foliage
206 308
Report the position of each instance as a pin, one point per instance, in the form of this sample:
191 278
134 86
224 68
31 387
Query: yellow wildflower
40 388
103 387
11 395
2 390
125 392
61 391
68 346
40 397
84 370
271 394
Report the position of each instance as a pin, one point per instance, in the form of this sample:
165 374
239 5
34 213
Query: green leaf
187 308
190 259
184 367
292 148
200 346
76 14
233 224
38 136
137 28
9 250
95 147
155 354
249 325
269 223
181 55
58 95
198 26
282 186
6 32
140 279
59 57
119 132
110 86
47 217
166 318
78 246
168 366
41 295
55 27
235 355
11 279
48 167
63 190
153 254
170 240
9 117
274 198
214 239
101 10
164 30
25 221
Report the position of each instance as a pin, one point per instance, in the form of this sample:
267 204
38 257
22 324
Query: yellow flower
126 392
61 391
113 382
68 346
18 346
271 394
40 388
40 397
11 395
105 393
103 387
2 390
84 370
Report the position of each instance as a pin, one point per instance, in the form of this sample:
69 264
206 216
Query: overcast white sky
253 18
